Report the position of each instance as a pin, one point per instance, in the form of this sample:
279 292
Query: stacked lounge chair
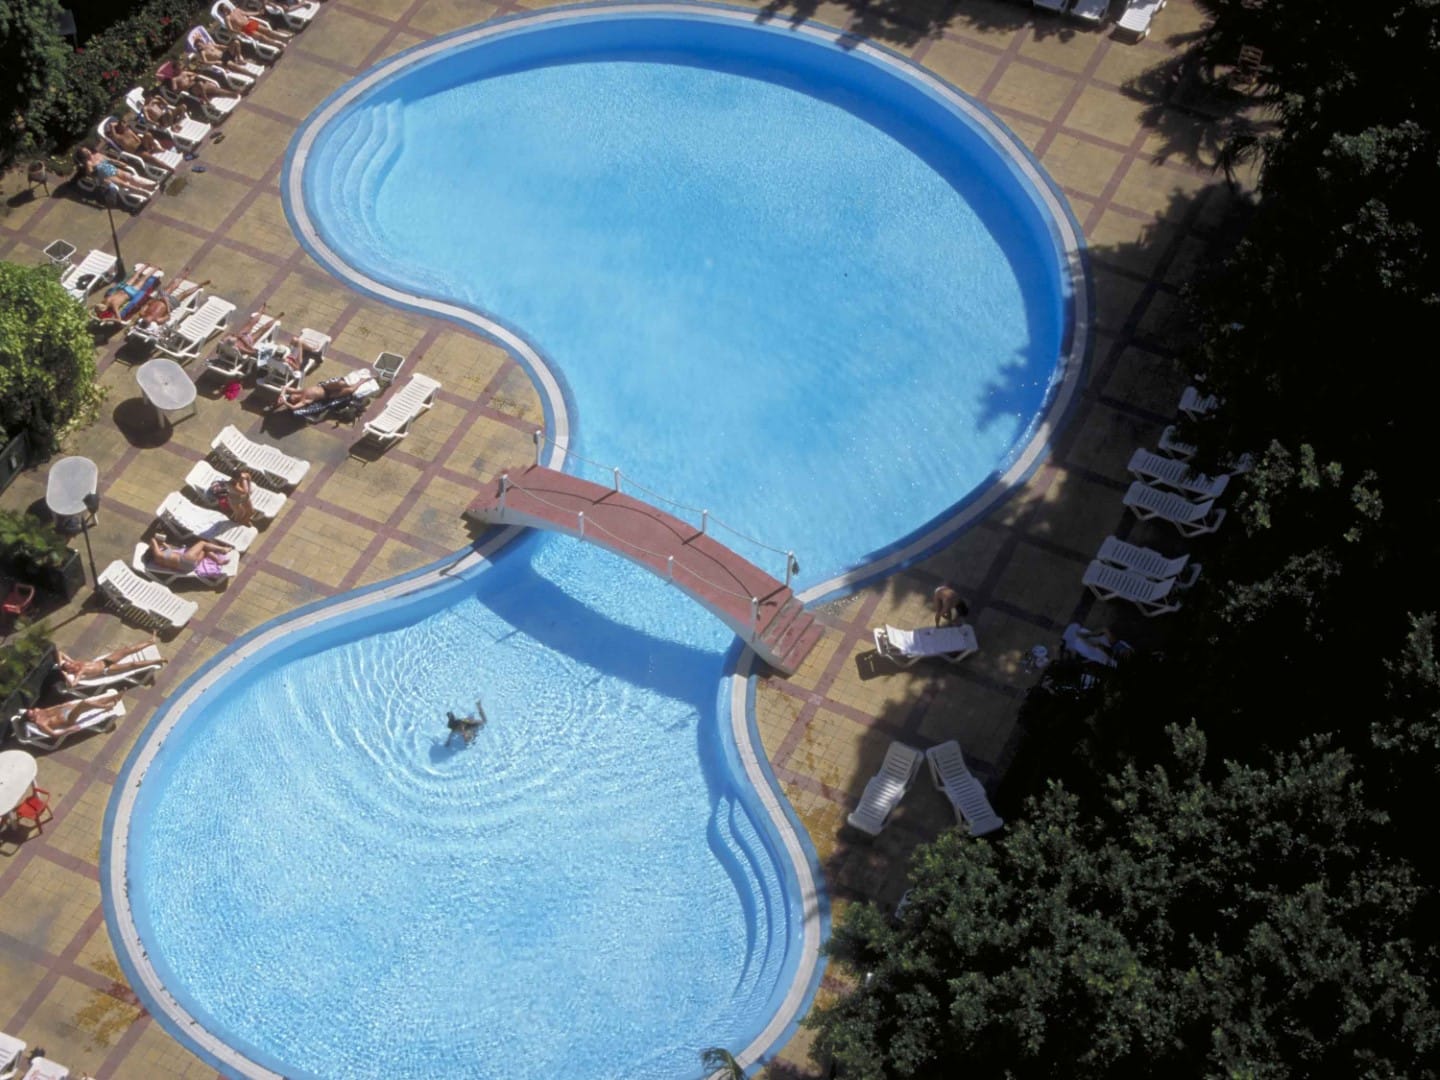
269 466
148 603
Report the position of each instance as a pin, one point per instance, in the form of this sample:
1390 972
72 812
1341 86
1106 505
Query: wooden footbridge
761 609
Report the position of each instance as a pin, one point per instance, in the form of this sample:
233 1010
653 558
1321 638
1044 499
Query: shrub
47 357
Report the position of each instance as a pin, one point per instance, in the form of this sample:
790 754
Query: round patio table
166 385
71 481
17 775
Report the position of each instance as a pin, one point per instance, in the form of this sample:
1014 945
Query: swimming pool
604 885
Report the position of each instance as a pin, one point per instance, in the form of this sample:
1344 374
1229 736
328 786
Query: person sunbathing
232 497
205 559
243 340
209 51
97 165
142 144
115 662
123 300
161 114
242 22
331 390
160 305
59 719
185 81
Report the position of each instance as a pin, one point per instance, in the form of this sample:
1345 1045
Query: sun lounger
146 602
265 50
187 133
296 18
1171 446
10 1050
94 270
1090 11
1081 642
158 165
966 794
189 337
1151 597
215 108
345 408
1194 404
183 517
1190 518
269 465
42 1068
1138 16
277 374
242 80
122 680
189 293
1054 6
266 503
403 406
886 788
115 194
97 719
1146 561
1176 475
142 565
907 647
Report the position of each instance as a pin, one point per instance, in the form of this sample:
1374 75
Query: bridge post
539 444
670 569
504 487
617 478
754 616
790 567
581 516
704 520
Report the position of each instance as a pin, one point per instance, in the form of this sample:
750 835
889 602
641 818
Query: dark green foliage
47 358
1242 926
20 655
33 57
717 1060
81 85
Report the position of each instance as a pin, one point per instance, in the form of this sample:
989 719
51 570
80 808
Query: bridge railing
585 526
706 522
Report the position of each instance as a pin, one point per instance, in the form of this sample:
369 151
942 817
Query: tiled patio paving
1145 208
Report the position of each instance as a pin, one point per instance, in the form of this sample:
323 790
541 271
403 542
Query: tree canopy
47 357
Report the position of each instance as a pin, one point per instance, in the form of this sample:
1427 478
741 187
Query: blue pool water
827 331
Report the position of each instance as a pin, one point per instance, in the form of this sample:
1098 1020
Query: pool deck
1099 113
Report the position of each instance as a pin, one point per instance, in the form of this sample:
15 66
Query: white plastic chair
1151 597
1190 518
886 788
966 794
147 602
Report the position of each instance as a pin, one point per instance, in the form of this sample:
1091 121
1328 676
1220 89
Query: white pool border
814 910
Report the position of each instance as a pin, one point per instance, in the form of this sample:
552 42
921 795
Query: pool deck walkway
777 626
1106 119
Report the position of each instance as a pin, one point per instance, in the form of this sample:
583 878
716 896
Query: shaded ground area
1115 127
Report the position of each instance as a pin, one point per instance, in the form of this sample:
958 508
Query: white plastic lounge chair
907 647
1190 518
1151 597
1146 561
296 18
1171 446
157 166
146 602
122 680
142 565
1081 642
269 465
128 198
189 337
276 374
97 719
94 270
188 294
1138 16
232 362
1194 404
1176 475
189 133
966 794
268 51
266 503
215 108
347 408
44 1069
242 80
1090 11
183 517
10 1050
1056 6
886 788
404 405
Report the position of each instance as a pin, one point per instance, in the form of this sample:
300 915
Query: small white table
71 481
17 776
167 386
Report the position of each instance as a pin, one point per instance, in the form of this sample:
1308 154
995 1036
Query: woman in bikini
292 398
205 559
232 497
106 171
112 663
58 719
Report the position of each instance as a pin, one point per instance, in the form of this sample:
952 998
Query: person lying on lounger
205 559
97 165
123 300
160 305
242 22
162 115
58 719
143 144
209 51
331 390
115 662
243 339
